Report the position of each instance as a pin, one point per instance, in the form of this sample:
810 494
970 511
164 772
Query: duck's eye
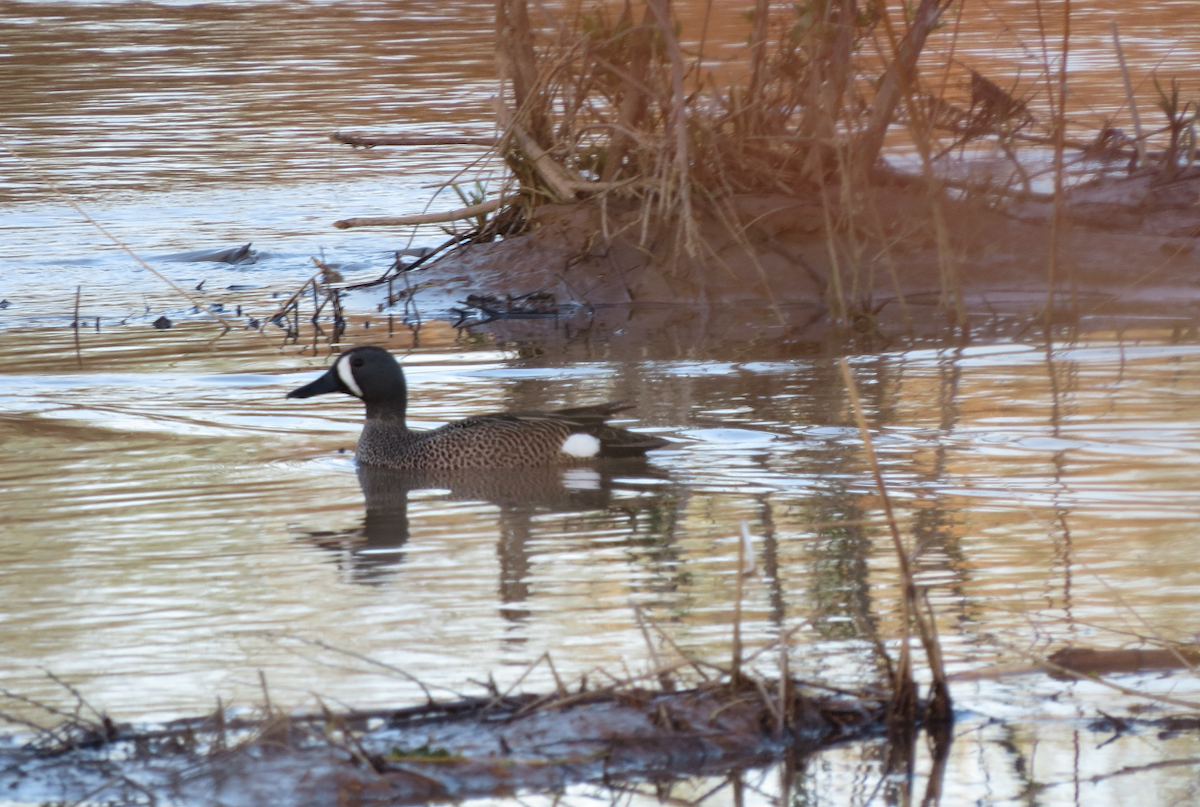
357 362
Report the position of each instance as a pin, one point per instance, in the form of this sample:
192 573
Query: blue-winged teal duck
505 440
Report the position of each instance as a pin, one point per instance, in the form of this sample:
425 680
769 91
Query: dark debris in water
1071 662
162 323
235 256
1164 727
479 309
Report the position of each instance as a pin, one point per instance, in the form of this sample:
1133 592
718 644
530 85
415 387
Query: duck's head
369 373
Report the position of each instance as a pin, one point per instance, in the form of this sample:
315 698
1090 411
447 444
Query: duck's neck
385 438
389 411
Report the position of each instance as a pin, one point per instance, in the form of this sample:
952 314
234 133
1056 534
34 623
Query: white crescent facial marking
346 373
581 446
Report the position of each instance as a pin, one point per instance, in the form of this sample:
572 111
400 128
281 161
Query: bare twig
81 701
361 657
665 680
471 212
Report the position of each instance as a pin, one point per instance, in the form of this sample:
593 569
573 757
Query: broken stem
481 209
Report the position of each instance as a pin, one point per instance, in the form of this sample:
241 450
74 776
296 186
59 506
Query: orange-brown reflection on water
170 515
1018 46
172 525
117 97
110 98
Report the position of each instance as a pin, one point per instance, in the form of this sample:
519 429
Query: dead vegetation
598 729
672 163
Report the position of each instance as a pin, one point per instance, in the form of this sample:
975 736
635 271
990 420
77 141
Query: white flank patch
581 446
346 373
581 479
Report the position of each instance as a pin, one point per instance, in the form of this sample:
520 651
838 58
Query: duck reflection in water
622 489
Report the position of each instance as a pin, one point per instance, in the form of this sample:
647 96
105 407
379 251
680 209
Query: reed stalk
75 325
1056 217
735 665
915 609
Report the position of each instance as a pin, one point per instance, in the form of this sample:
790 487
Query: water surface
173 526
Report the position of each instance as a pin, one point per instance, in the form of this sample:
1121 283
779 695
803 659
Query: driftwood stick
430 218
370 142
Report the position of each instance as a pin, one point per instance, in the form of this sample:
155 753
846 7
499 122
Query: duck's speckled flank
478 442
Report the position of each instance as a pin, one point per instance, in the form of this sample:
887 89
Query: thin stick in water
787 707
262 680
54 189
665 680
903 704
75 327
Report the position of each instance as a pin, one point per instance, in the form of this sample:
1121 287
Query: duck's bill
326 383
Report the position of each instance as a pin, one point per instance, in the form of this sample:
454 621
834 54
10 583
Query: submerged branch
371 142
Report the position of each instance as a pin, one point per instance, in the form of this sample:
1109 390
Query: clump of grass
620 105
612 105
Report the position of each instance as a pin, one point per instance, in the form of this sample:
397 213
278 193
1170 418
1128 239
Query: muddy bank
1129 241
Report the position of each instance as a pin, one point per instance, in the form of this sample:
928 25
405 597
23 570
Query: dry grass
618 102
617 108
612 106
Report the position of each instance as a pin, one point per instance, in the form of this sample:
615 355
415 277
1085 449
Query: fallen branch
471 212
558 178
898 78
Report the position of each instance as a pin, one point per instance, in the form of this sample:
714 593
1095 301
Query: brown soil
1129 240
